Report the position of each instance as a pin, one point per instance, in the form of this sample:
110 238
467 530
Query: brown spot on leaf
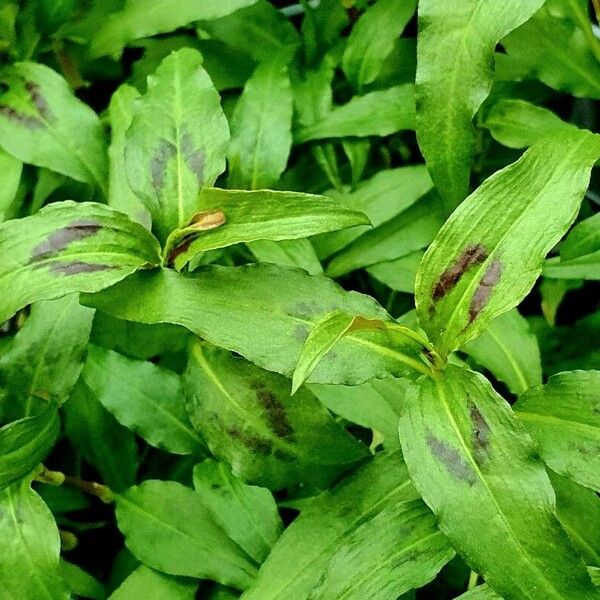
208 219
481 434
60 239
254 443
158 164
472 255
275 413
77 267
484 289
194 157
451 459
27 121
38 99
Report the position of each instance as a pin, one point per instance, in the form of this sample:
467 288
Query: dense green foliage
299 301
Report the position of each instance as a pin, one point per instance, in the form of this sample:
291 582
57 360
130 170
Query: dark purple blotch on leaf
451 459
274 411
61 238
38 100
481 434
484 289
76 267
194 157
470 256
158 164
22 119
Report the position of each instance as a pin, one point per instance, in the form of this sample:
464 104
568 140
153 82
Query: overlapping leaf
69 247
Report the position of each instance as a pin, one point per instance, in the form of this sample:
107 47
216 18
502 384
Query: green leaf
325 335
372 39
381 112
410 230
177 140
475 466
237 308
382 197
11 169
563 418
143 18
327 332
353 541
509 349
248 514
398 274
259 32
322 26
47 354
69 247
554 51
30 546
374 405
579 514
81 583
42 123
261 128
579 253
25 443
519 124
290 253
454 77
234 216
185 541
144 581
144 398
248 419
120 195
489 253
100 439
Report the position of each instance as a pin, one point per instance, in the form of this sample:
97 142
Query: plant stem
89 487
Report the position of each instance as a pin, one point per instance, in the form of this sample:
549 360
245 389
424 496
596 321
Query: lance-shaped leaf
355 540
10 200
291 253
164 587
374 405
228 217
100 439
25 443
330 330
372 39
247 513
144 18
382 197
238 307
408 231
45 358
248 419
261 128
579 514
69 247
168 528
144 398
519 124
554 51
259 31
509 349
489 253
399 274
579 253
563 417
30 546
454 76
381 112
120 194
42 123
177 140
475 466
